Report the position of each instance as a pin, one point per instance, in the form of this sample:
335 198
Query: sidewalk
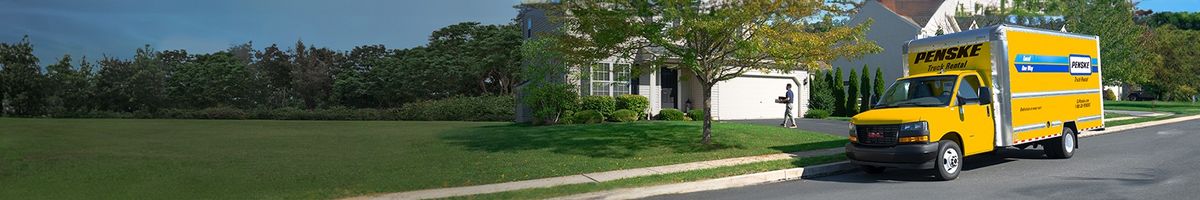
594 177
1135 114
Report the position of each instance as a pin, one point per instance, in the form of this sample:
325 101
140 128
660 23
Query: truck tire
1061 147
949 160
872 169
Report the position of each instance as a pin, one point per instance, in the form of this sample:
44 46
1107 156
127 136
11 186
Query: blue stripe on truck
1048 64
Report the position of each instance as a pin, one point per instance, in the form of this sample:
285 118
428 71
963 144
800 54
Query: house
898 21
750 96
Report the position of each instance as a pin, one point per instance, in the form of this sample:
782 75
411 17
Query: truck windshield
933 91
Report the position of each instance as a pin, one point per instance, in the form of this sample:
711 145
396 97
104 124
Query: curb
594 177
722 183
794 173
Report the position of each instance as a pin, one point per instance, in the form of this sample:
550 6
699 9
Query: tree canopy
716 40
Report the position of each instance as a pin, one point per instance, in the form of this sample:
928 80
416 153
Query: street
1156 162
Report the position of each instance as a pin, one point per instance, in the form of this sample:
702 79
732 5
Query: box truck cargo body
972 92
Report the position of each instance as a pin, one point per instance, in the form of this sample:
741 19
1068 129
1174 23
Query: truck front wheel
1061 147
949 160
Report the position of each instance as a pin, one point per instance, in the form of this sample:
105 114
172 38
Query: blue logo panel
1076 64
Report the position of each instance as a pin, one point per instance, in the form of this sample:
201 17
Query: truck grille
887 134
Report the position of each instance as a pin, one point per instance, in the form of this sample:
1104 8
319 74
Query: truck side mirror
985 96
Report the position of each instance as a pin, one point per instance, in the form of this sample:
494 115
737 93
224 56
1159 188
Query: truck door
975 117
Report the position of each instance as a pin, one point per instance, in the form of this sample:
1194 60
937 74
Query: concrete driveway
832 127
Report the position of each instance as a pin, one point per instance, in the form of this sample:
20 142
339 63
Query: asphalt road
1160 162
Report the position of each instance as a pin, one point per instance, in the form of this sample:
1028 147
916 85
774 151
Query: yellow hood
895 115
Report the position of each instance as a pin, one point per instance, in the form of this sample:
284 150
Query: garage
753 97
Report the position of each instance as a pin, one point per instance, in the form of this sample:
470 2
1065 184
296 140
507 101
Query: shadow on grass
613 140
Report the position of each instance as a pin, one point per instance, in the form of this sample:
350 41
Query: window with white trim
609 79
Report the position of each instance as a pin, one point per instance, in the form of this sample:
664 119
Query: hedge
816 114
696 114
588 117
671 114
486 108
603 104
633 102
625 115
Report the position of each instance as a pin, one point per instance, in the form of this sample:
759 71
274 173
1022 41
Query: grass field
1178 108
216 159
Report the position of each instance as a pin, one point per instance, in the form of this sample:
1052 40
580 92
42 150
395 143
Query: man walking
787 113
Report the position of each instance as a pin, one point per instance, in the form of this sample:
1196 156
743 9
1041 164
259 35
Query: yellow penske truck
978 91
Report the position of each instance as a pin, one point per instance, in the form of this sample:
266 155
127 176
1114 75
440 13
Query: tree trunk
707 139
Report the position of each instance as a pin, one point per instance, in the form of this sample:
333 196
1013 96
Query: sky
116 28
1170 5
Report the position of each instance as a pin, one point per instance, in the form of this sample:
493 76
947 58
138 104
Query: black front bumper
907 156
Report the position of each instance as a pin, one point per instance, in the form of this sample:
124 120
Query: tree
350 84
276 67
878 86
852 92
68 86
1112 20
839 93
21 80
1181 20
715 41
312 77
214 80
486 55
1174 64
865 90
821 96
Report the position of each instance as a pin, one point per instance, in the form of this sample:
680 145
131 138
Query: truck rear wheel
1061 147
949 160
872 169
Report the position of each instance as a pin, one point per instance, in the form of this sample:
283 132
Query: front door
669 80
976 118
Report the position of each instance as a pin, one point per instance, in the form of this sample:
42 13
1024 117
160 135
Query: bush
551 103
671 114
633 102
603 104
588 117
625 115
1109 95
568 117
487 108
697 114
222 113
817 114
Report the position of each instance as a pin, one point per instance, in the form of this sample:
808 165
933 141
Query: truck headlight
916 132
852 130
853 134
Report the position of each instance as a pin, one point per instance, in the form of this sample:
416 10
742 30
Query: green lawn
1178 108
218 159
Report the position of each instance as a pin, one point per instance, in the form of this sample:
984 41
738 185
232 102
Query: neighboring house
898 21
750 96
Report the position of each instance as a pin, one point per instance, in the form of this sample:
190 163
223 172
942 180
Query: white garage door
752 97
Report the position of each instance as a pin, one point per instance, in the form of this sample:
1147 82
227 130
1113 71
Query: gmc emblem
874 135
